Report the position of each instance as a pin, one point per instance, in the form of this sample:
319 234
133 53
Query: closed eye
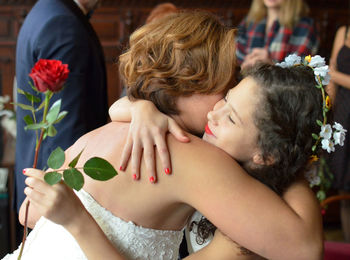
229 117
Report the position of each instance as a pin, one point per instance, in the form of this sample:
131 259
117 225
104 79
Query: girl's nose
214 115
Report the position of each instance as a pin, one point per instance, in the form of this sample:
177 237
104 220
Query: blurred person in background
273 29
60 30
339 88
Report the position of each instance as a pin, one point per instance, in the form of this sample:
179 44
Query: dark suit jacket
58 29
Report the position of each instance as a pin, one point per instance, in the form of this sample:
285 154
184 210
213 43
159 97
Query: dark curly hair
285 117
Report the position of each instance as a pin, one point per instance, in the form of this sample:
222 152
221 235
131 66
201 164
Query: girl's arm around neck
240 206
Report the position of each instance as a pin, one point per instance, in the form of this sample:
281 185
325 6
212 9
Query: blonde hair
290 13
179 55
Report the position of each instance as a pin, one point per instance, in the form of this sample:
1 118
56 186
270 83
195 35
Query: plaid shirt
280 41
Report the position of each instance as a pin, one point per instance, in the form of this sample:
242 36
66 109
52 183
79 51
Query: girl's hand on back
148 128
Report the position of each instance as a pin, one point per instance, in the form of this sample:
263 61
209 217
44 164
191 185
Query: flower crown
329 136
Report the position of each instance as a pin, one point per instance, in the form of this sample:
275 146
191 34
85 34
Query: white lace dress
51 241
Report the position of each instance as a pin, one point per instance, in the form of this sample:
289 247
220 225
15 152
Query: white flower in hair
283 64
317 61
328 145
321 71
326 79
339 127
326 131
339 138
312 177
292 60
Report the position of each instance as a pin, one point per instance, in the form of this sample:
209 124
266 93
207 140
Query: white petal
317 61
326 131
292 59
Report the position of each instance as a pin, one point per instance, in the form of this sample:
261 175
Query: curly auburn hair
285 117
185 53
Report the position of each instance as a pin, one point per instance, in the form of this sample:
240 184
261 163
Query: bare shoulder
340 35
102 136
201 163
341 30
197 151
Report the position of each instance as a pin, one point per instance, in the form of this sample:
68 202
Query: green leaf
52 177
73 178
56 158
33 87
74 162
314 136
327 184
36 126
28 119
29 96
61 115
51 131
319 122
25 107
99 169
40 107
313 148
321 195
53 112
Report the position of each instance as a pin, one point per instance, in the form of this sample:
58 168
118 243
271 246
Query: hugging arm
148 128
250 213
302 201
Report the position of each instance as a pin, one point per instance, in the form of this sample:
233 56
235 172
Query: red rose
49 75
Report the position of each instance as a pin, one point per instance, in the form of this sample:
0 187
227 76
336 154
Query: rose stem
37 148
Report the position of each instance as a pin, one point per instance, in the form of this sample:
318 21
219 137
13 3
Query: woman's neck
272 15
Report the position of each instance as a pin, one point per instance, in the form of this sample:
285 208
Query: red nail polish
134 176
121 168
24 171
151 179
167 171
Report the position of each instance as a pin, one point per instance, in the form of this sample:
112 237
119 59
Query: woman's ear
258 159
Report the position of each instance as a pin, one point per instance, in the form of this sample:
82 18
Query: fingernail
151 179
134 176
167 171
24 171
121 168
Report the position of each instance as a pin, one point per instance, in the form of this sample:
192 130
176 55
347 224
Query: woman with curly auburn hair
273 29
191 55
144 219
